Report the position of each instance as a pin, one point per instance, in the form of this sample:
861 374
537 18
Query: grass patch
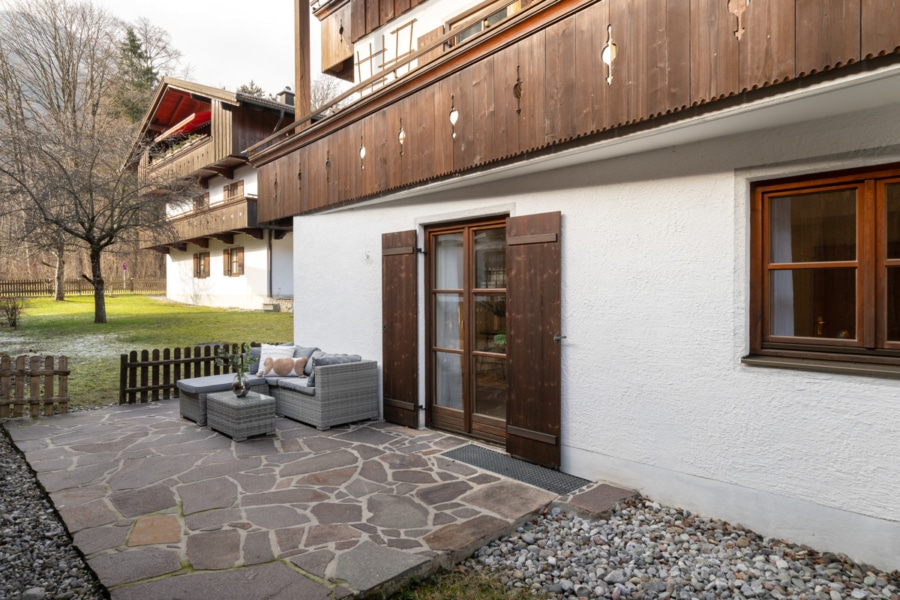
460 584
134 323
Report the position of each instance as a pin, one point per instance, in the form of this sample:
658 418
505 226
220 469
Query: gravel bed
645 550
37 558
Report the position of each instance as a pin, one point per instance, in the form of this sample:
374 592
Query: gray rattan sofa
343 393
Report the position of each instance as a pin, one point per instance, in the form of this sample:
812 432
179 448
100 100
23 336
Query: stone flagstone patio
163 508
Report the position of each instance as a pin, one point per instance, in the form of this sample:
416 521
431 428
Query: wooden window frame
870 344
233 261
201 202
201 265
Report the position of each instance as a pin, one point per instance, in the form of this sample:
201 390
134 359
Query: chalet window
201 265
233 261
201 202
493 13
825 279
233 191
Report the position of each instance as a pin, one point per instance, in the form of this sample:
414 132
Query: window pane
893 304
490 386
490 258
447 321
813 303
490 323
448 380
893 220
448 261
813 227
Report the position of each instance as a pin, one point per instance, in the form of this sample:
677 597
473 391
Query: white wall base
863 538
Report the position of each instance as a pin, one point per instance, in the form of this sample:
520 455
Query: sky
226 43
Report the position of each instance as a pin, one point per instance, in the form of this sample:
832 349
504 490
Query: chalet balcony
221 221
552 75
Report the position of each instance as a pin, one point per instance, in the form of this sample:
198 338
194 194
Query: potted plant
238 362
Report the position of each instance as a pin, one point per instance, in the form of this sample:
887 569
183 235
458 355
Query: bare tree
64 146
324 88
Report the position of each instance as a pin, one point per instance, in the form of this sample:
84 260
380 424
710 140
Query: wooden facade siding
368 15
670 56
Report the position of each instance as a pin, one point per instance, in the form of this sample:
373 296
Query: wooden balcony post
302 71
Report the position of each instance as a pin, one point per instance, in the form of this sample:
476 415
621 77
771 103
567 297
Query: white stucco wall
655 309
245 291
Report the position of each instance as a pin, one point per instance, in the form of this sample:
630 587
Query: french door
467 374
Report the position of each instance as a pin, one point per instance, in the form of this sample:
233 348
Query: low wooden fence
147 375
30 288
30 382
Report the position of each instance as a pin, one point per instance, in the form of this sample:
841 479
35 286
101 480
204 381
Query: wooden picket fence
31 288
30 382
150 375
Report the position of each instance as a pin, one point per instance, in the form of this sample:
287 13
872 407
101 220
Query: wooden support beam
227 238
280 233
201 242
227 172
255 232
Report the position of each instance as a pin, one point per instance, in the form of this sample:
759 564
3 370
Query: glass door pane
448 261
448 387
490 323
448 321
490 258
490 386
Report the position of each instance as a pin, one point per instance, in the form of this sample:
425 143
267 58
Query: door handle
558 338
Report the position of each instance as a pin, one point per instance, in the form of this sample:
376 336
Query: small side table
254 414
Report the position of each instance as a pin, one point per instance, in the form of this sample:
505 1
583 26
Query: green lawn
134 323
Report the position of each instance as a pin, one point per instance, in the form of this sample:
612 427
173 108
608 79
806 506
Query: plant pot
240 385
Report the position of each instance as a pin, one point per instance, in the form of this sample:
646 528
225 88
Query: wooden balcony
219 221
538 83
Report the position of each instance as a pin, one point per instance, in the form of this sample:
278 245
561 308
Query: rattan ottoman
253 414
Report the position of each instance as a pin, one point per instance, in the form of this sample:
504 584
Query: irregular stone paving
163 508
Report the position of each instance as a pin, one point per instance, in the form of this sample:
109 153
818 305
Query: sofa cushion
297 385
329 359
273 352
304 351
214 383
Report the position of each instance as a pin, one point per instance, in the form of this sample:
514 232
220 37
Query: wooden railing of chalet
34 385
235 214
151 375
31 288
537 82
180 164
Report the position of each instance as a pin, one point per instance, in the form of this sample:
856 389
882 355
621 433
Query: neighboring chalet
219 253
645 241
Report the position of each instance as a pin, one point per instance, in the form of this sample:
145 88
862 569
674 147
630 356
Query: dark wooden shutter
399 311
196 265
533 261
226 262
240 261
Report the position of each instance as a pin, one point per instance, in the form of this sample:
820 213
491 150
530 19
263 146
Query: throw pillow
272 352
328 359
283 367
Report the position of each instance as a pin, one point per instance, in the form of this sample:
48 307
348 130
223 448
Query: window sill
824 366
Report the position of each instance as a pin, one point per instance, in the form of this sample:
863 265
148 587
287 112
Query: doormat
542 477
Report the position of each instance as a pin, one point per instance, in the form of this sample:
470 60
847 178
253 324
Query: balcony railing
556 74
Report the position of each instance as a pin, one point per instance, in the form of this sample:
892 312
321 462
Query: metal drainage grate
542 477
